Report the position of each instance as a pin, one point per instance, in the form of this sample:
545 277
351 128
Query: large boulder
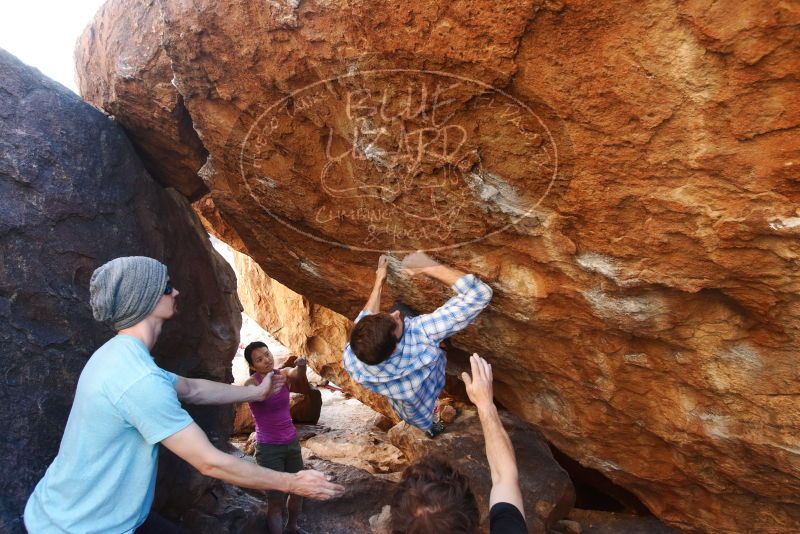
243 422
622 173
155 118
75 195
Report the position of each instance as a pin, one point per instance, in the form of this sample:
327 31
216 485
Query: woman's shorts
283 458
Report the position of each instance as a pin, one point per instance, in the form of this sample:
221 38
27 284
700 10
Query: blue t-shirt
104 475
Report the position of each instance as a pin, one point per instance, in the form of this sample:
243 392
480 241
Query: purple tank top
273 421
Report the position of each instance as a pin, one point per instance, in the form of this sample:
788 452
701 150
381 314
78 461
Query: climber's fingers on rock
476 367
383 261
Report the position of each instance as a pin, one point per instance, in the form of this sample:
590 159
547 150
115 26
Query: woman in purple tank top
276 438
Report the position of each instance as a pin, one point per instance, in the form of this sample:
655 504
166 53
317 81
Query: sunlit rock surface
622 173
155 119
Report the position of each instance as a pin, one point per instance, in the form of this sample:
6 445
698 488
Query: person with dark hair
277 447
433 497
398 356
103 477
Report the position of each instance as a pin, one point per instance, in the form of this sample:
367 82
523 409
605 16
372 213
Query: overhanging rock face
623 174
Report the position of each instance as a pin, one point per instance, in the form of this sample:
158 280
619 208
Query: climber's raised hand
479 385
383 268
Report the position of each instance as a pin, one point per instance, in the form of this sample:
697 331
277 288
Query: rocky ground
351 443
348 446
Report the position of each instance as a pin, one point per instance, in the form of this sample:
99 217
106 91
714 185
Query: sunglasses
168 289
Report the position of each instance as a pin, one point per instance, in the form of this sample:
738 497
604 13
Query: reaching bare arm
499 450
420 263
471 298
373 304
199 391
192 445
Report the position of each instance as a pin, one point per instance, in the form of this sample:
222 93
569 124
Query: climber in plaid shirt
399 357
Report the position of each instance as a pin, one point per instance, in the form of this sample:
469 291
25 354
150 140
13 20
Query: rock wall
622 173
156 121
75 195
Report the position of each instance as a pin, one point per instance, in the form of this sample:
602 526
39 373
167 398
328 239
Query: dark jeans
155 524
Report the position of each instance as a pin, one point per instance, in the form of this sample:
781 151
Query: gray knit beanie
125 290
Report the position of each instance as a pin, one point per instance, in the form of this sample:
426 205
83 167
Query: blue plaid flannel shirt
413 376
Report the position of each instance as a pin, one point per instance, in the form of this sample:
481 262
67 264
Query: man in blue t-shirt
103 478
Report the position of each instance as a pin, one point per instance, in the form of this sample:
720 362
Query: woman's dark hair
248 350
372 339
434 498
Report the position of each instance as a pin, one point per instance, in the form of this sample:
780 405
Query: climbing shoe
435 429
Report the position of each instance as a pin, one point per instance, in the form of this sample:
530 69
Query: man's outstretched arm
200 391
499 450
472 296
373 304
420 263
192 445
